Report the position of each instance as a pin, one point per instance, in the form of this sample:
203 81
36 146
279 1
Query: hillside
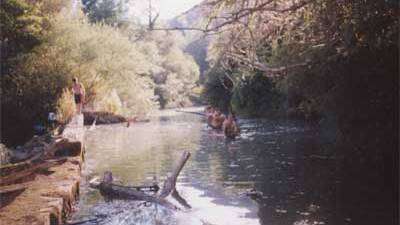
196 43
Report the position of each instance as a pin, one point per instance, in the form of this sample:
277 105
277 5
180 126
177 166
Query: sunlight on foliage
175 73
65 106
99 56
124 68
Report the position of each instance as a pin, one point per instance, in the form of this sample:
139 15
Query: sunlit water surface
269 156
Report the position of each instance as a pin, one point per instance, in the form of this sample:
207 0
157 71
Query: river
288 161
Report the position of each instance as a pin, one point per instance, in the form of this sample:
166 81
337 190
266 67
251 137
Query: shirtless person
79 94
208 109
209 114
217 120
230 127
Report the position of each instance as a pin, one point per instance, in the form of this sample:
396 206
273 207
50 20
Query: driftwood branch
109 189
169 184
236 17
180 199
116 191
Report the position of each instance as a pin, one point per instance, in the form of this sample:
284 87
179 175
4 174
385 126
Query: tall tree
20 30
106 11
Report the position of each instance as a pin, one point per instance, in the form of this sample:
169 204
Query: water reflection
284 160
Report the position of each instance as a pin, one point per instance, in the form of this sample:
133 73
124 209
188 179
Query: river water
286 161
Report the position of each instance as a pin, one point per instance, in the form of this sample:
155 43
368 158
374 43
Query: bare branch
181 29
263 7
271 71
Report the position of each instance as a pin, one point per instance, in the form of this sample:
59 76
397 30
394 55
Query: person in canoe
208 109
217 120
209 114
230 127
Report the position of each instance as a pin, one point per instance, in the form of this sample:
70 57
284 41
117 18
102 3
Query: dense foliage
174 73
104 11
331 62
23 24
124 69
317 54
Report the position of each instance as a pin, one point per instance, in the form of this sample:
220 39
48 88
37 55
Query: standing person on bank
79 94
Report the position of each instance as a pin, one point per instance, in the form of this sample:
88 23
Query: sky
167 9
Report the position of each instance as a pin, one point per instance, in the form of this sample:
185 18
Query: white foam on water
206 211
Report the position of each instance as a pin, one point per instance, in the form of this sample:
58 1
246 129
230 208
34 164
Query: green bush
65 106
174 73
257 96
215 92
121 73
101 58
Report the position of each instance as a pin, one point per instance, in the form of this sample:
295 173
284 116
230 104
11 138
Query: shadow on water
293 165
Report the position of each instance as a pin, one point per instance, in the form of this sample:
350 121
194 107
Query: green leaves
326 34
104 11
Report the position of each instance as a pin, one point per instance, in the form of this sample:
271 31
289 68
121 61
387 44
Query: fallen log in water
151 188
114 191
109 189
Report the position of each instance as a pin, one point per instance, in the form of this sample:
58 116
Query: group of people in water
217 120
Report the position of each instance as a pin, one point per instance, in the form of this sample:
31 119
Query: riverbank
102 117
46 195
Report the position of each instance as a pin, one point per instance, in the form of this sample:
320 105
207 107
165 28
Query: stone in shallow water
249 166
304 213
282 211
233 165
313 208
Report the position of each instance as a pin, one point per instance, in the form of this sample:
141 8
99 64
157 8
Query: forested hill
191 17
196 42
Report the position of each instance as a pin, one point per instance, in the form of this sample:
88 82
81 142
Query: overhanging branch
271 71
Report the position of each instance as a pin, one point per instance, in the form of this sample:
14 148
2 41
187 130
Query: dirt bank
102 118
109 118
47 195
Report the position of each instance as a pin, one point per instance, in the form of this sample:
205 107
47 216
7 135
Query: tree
301 40
174 72
20 30
105 11
23 24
